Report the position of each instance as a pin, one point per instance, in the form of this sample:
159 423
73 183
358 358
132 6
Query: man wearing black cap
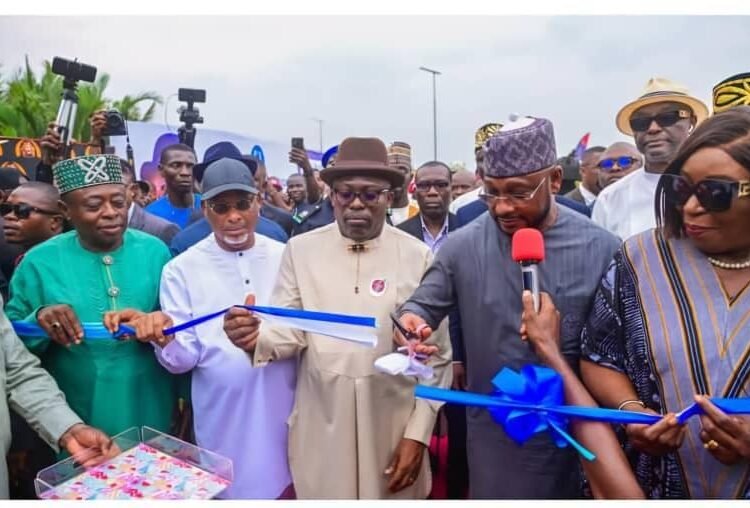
354 432
240 412
200 229
521 177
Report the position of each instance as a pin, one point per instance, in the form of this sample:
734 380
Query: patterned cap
86 171
734 91
399 154
523 146
484 133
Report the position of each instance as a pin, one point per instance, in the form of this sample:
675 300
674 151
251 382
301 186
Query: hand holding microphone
527 249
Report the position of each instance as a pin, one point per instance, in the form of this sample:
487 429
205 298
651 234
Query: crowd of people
644 307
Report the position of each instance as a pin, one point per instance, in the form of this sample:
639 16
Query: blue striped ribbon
97 331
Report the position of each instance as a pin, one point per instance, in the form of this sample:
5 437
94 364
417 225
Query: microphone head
527 245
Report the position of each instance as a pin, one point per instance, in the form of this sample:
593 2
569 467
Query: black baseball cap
225 175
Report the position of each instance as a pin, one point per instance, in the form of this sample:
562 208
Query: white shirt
240 412
588 196
465 199
130 212
626 207
399 215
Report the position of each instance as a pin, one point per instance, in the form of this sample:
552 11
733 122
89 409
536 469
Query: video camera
116 125
189 115
72 72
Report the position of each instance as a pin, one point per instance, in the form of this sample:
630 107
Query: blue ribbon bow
531 401
537 386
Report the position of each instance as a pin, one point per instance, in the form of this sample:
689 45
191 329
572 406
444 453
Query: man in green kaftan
74 279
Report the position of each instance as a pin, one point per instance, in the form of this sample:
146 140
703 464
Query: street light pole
434 109
320 132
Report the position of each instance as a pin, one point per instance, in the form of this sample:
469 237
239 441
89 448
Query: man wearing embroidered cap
354 432
74 279
403 208
660 120
521 177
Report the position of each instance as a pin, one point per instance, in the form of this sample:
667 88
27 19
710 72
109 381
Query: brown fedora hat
362 157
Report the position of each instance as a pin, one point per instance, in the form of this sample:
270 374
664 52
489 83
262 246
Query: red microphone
527 249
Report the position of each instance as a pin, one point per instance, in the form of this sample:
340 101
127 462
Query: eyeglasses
515 198
664 119
367 197
241 205
713 195
623 163
426 186
24 211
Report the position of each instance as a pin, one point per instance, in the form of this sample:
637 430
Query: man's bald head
463 182
619 159
42 220
620 148
45 194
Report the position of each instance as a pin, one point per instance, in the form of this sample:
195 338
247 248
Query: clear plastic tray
151 465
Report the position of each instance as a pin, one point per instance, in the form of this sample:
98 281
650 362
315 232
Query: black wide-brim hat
362 157
222 150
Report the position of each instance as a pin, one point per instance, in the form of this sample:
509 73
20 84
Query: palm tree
128 106
28 103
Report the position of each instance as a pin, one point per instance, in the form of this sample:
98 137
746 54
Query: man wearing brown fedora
354 432
660 120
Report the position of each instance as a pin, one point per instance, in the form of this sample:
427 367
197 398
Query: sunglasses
624 163
367 197
664 119
713 195
24 211
241 205
426 186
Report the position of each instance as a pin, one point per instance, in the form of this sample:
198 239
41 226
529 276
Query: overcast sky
269 76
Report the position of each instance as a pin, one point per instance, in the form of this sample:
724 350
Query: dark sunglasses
624 163
713 195
367 197
664 119
426 186
222 208
24 211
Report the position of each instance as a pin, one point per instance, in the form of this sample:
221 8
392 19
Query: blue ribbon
531 401
92 331
310 315
97 331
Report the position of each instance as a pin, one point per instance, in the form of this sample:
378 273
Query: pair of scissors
410 336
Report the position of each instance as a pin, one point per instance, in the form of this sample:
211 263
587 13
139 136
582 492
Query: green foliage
29 102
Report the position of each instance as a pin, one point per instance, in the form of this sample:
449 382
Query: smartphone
298 143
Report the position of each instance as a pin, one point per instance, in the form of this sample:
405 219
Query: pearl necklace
729 266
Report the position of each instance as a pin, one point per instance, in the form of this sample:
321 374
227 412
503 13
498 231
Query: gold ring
56 325
711 445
